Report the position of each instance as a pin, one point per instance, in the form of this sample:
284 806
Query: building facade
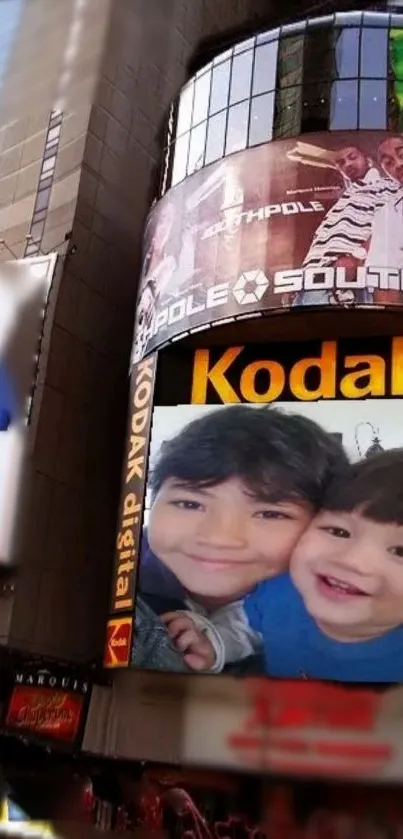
86 90
295 120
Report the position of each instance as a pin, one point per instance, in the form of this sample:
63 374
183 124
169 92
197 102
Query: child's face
349 571
221 541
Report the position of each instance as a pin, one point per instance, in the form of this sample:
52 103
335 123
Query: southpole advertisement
275 488
289 224
119 628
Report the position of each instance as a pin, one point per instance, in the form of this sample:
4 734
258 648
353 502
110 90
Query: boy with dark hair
232 494
338 615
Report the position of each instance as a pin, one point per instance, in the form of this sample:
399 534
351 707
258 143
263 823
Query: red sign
49 713
118 642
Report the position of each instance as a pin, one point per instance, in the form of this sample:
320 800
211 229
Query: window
237 130
344 105
261 119
287 115
201 99
216 137
241 77
315 107
185 109
220 87
372 112
374 51
290 61
319 55
180 158
42 199
265 68
196 148
346 52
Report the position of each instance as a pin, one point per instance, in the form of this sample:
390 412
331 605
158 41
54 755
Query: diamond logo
250 287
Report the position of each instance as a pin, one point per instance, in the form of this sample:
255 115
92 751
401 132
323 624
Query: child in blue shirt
338 614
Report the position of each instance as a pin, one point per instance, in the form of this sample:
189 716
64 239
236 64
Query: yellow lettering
122 586
276 381
202 375
368 381
326 364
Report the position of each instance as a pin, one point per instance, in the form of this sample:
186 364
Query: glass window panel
319 56
271 35
291 61
39 215
196 147
185 109
315 107
37 231
287 115
180 158
216 137
53 134
48 165
265 68
344 105
45 181
374 50
201 98
261 119
237 130
241 77
372 112
42 199
396 53
346 52
220 87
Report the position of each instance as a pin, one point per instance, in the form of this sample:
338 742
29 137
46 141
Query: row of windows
334 54
336 72
46 178
343 104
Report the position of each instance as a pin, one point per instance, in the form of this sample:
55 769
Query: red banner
50 713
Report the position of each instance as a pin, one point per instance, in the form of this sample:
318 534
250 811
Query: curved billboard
289 224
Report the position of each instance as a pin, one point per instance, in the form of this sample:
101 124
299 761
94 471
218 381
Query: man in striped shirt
344 236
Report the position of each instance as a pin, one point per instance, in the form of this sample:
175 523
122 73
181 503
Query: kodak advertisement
270 540
289 224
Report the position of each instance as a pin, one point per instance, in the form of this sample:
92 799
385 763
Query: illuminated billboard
24 287
288 224
273 489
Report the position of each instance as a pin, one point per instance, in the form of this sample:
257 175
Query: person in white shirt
343 237
386 247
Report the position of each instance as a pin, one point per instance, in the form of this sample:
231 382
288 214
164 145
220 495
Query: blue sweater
295 647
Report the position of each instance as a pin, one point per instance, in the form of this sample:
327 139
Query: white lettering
217 295
288 281
177 311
